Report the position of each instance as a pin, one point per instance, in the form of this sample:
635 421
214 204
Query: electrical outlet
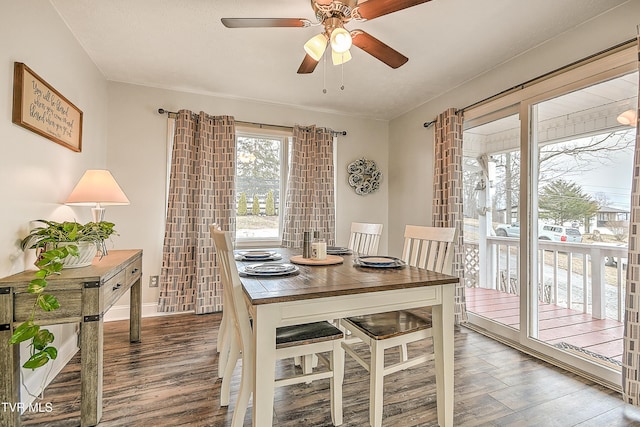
153 281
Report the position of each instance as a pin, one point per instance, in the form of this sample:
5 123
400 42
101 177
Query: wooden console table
85 295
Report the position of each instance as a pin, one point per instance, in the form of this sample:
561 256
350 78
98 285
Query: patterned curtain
447 193
310 203
631 355
201 192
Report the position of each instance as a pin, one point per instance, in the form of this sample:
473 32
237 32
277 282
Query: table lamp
96 188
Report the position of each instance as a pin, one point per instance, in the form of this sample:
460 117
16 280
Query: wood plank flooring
557 324
170 379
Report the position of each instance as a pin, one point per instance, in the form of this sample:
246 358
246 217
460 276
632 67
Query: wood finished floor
557 324
170 379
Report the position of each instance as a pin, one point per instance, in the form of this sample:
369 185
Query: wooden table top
333 280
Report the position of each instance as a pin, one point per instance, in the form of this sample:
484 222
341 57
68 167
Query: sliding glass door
547 205
492 229
582 157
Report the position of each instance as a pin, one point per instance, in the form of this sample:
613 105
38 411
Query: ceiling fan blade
374 8
264 22
376 48
308 65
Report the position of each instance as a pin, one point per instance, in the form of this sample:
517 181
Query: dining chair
297 340
430 248
365 238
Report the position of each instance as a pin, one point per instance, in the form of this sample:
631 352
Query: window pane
258 187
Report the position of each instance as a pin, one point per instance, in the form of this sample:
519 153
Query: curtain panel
447 193
631 354
310 200
201 192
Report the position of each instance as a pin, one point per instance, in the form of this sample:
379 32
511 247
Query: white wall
411 145
137 157
36 173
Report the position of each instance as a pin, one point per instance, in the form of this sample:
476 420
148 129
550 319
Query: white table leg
264 338
443 321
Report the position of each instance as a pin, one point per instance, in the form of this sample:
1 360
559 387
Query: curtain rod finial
161 110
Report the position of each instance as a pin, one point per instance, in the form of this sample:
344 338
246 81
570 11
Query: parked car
555 233
506 230
559 233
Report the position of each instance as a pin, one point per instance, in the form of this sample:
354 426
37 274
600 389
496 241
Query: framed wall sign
40 108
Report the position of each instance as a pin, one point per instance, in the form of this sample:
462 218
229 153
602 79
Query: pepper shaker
306 244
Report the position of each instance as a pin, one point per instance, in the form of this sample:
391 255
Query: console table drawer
133 271
70 306
114 288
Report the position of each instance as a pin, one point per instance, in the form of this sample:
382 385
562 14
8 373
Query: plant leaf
36 286
37 360
48 302
42 338
52 352
24 332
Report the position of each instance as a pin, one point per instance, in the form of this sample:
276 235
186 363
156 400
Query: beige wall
411 145
36 173
137 156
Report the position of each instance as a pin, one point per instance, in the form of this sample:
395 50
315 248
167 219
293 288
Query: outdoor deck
557 324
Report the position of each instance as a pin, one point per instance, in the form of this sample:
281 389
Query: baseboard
121 312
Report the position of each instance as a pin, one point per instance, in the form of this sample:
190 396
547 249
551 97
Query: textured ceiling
182 45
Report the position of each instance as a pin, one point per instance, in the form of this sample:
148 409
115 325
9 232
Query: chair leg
233 355
223 347
246 387
376 384
221 332
337 366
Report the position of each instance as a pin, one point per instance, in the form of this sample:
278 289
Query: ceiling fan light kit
340 57
316 46
333 15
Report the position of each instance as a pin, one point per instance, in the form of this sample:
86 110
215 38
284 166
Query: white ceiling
182 45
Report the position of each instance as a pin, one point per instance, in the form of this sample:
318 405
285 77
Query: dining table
326 292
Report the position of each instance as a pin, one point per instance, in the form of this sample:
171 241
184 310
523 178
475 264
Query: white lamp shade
97 186
340 58
316 46
340 40
629 117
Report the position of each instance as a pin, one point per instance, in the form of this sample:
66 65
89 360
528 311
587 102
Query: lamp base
98 214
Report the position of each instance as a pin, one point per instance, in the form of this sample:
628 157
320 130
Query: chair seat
289 336
382 326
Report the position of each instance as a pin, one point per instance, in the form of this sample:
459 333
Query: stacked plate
379 262
269 269
256 255
338 250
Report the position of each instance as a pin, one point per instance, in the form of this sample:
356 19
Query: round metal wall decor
364 176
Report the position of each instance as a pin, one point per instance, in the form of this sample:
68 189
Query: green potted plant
88 238
57 245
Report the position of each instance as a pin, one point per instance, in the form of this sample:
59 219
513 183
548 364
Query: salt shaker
318 247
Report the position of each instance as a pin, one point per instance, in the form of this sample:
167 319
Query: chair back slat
365 238
430 248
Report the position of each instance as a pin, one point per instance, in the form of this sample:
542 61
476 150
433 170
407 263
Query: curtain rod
261 125
544 76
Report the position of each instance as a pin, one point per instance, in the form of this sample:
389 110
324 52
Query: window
261 170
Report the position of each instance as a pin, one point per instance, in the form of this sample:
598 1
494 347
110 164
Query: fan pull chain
342 73
324 74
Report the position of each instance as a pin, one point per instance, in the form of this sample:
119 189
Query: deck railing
580 276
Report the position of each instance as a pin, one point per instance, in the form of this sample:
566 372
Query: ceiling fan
333 15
